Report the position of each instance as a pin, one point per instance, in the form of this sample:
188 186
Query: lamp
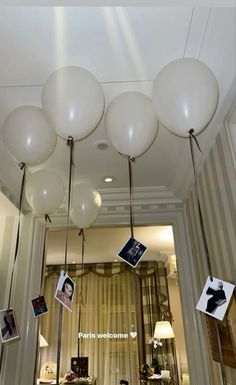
163 330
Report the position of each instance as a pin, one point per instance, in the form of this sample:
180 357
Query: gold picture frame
227 331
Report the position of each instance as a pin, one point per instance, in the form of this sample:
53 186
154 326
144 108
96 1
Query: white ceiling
124 48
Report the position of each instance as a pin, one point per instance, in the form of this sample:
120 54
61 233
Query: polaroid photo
8 326
132 252
39 306
65 290
215 298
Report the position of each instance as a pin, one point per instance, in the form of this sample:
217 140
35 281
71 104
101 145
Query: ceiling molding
147 204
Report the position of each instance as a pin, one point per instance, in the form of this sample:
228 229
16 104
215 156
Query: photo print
132 252
39 306
8 327
215 298
65 290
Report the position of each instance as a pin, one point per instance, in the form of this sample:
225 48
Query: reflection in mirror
112 320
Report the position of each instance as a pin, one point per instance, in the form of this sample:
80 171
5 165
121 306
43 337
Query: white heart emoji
133 334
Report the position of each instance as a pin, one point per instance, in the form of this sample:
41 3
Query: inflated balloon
131 123
73 101
28 135
44 191
85 205
185 94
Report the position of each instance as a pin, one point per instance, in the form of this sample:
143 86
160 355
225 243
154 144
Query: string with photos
202 228
46 219
70 144
131 160
81 297
22 167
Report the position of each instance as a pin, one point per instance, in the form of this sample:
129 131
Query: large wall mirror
112 322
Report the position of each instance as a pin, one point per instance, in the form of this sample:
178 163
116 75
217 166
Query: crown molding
147 203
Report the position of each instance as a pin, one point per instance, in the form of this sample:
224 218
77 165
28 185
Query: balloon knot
191 131
69 140
22 165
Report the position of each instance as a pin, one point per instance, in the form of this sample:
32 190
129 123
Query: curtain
104 302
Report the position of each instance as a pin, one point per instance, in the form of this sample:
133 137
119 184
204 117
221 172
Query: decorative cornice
147 203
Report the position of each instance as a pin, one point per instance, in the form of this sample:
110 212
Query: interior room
117 193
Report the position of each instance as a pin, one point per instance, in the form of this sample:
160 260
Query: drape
104 302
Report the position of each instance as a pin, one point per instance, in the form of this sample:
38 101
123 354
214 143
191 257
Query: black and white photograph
215 297
65 290
8 327
39 306
132 252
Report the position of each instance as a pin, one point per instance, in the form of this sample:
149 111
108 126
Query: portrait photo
8 326
215 298
132 252
39 306
65 290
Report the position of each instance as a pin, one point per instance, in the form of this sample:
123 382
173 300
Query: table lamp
163 330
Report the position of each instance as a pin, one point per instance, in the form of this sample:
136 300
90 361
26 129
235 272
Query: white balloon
185 94
73 101
85 205
131 123
44 191
28 135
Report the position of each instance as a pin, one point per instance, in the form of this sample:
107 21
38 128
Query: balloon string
59 335
70 143
81 299
130 160
136 317
46 218
191 138
22 167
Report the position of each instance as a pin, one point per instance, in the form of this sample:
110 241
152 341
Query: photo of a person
132 252
8 328
65 290
215 297
39 306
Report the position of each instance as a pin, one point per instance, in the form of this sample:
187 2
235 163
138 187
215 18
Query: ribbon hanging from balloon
22 166
204 238
70 144
202 228
81 294
46 219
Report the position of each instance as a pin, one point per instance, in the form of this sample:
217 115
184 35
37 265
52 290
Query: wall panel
217 192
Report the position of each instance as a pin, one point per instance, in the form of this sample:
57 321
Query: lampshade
42 342
163 330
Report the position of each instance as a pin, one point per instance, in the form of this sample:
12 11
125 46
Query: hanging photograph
65 290
132 252
8 327
39 306
215 298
